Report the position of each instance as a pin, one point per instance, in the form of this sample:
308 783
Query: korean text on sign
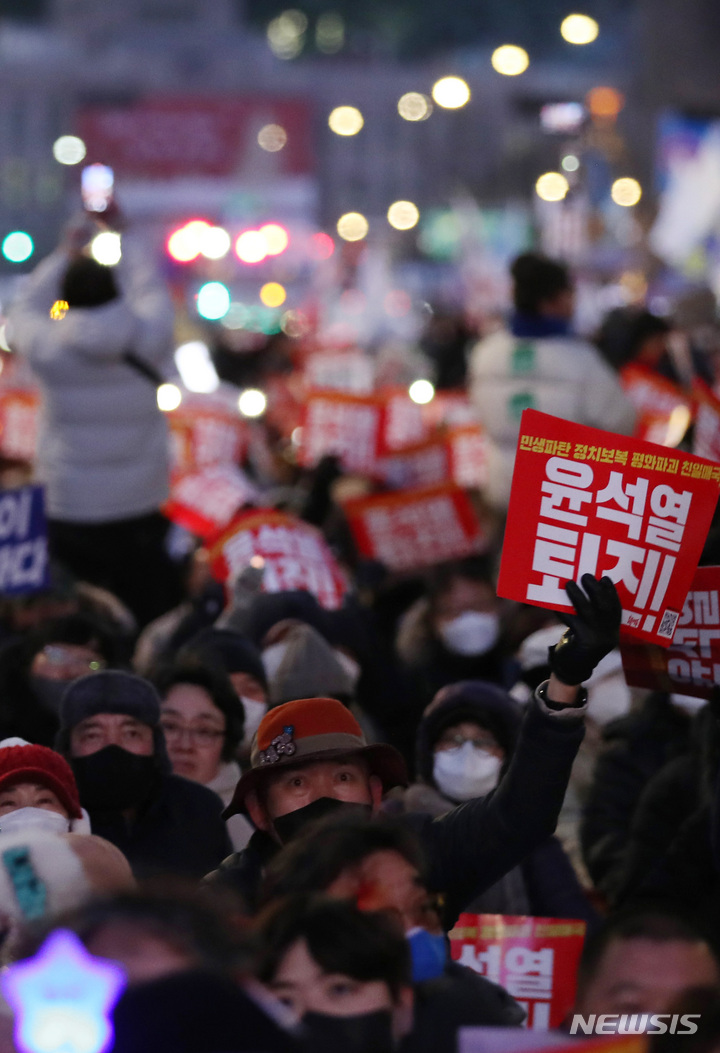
534 959
585 501
415 528
294 555
691 664
23 541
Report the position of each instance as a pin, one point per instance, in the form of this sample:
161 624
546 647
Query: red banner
19 420
691 664
663 410
205 430
415 528
204 502
424 464
165 137
468 455
294 555
706 433
534 959
588 501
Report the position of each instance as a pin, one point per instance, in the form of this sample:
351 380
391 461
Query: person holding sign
310 757
539 364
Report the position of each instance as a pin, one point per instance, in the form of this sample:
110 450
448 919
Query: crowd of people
271 814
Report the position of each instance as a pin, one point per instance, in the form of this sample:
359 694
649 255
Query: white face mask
472 632
25 819
272 658
254 712
688 703
466 772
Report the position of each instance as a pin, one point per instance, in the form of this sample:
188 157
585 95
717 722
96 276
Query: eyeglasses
452 742
198 736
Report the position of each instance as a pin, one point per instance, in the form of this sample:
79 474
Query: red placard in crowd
424 464
658 402
589 501
706 433
468 448
294 554
205 430
415 528
205 501
19 420
534 959
352 371
691 664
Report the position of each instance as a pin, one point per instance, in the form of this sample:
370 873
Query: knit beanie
231 650
309 669
111 691
21 761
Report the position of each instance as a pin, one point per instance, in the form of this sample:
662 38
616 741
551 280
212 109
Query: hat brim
39 775
383 760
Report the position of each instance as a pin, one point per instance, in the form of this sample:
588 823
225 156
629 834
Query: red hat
310 729
28 763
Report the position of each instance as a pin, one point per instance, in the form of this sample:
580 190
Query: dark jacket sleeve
553 888
471 847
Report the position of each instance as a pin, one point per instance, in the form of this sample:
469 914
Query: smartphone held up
97 182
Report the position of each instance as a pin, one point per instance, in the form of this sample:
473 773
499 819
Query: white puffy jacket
103 445
560 375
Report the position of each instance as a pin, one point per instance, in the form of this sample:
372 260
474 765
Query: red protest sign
205 501
468 450
19 421
534 959
415 528
352 371
424 464
204 430
294 555
691 664
706 433
347 426
402 422
585 501
663 409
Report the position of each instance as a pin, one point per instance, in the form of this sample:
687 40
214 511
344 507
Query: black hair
365 945
652 925
624 331
87 283
703 1003
473 568
191 669
536 278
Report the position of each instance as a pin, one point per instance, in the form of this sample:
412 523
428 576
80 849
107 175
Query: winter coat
472 846
103 445
239 828
181 831
544 883
639 746
560 375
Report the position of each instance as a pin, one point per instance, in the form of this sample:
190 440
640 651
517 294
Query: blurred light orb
626 191
451 93
214 243
413 106
403 215
106 248
510 60
352 226
604 102
251 247
69 150
272 137
552 186
570 163
196 367
236 317
213 301
294 324
346 120
276 238
273 294
323 245
330 33
252 403
169 397
579 29
286 34
421 392
57 312
17 246
186 243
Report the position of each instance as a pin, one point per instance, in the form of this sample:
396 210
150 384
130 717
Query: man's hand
593 631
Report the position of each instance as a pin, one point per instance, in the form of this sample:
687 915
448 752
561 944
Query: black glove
593 631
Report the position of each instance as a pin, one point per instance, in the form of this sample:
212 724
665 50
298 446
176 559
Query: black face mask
289 826
364 1033
113 779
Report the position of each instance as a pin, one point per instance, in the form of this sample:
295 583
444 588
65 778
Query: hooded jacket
544 883
103 446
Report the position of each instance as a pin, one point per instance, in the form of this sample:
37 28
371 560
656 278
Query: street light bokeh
451 93
579 29
626 191
346 120
352 226
510 60
414 106
552 186
403 215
